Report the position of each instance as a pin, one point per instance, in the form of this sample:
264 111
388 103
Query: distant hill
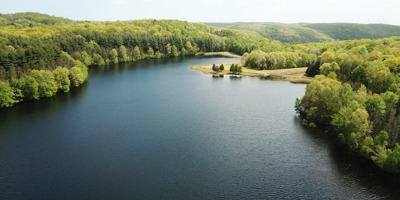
227 24
284 33
349 31
33 19
308 32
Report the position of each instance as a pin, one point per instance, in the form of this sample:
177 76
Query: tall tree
175 51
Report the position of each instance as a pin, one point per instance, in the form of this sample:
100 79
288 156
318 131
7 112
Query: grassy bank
224 54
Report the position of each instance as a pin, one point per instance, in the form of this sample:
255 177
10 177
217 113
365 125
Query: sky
284 11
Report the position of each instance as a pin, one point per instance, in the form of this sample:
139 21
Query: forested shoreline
38 60
355 91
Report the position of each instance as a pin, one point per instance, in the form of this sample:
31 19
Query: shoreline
223 53
294 75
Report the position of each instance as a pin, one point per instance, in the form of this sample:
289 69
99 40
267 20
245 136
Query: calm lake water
159 130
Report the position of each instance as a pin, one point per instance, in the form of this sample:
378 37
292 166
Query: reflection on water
48 105
156 129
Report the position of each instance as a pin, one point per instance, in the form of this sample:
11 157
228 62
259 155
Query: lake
157 129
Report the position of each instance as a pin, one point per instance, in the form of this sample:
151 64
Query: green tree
150 52
83 69
375 102
61 78
47 86
291 59
233 69
327 57
327 68
76 71
215 68
183 51
298 107
375 55
168 49
244 58
352 122
175 52
136 53
158 54
381 81
87 59
98 60
7 96
122 53
190 49
332 75
29 88
239 69
114 56
392 64
322 99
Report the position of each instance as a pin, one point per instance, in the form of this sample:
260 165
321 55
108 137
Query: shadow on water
235 78
230 76
55 102
354 170
45 105
218 76
137 65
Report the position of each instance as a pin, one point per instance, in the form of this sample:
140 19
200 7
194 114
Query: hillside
284 33
227 24
32 19
349 31
318 32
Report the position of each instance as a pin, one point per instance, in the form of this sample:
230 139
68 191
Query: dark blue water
159 130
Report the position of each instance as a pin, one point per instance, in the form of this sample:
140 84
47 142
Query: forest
351 31
314 32
354 94
32 19
285 33
355 91
41 55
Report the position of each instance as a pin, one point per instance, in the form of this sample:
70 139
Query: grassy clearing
225 54
299 72
207 70
295 75
301 80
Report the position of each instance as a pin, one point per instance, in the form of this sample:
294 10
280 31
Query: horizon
218 11
218 22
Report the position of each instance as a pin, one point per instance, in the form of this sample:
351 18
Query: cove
157 129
